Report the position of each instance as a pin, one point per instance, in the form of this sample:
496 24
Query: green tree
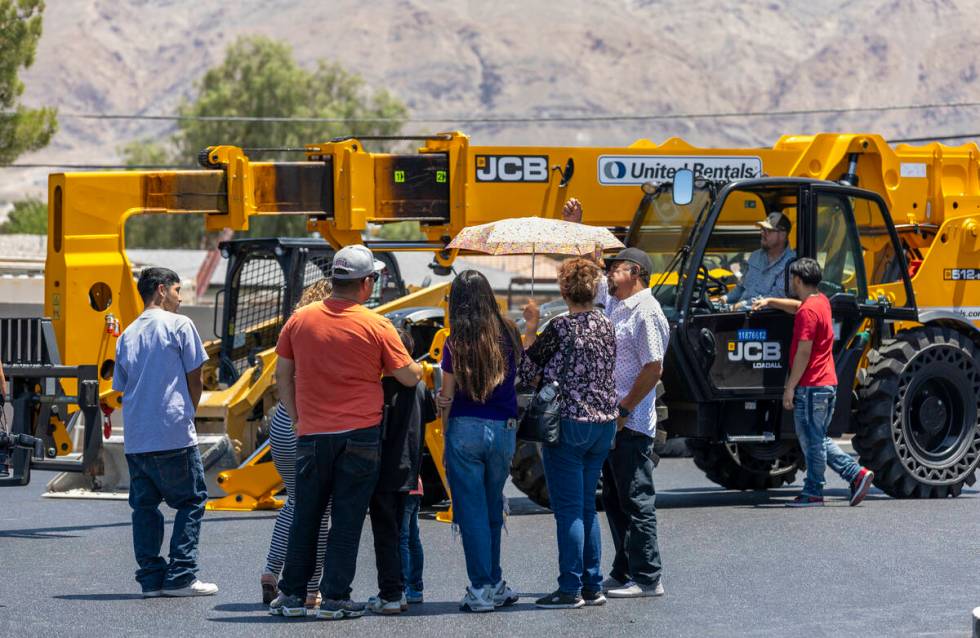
260 78
29 217
21 129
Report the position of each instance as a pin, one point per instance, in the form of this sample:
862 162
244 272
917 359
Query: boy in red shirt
811 390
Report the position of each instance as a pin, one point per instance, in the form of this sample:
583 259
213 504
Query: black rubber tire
918 414
723 463
433 491
527 473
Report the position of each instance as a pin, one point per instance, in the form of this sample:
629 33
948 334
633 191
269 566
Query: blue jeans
572 470
813 410
413 558
177 478
478 455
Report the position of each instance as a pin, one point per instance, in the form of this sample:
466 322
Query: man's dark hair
151 278
808 270
346 285
407 339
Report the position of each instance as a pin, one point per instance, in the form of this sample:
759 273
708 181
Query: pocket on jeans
174 472
305 460
361 458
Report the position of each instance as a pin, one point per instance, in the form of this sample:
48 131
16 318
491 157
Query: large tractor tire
527 473
740 466
527 469
918 416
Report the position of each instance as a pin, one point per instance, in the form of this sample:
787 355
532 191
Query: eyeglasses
374 276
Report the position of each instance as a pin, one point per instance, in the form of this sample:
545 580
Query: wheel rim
934 425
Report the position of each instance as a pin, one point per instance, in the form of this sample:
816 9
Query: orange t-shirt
341 349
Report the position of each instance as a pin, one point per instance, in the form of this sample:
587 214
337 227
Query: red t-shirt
341 350
815 323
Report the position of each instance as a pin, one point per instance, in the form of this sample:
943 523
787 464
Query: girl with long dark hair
479 406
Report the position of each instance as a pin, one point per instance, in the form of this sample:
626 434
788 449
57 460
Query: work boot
860 485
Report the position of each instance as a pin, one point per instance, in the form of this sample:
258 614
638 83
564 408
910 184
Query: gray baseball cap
355 262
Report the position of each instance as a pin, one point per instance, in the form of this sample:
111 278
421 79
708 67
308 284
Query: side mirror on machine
683 189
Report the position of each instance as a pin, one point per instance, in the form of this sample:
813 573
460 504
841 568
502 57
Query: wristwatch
623 411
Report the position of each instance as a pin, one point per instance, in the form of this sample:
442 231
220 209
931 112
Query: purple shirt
502 402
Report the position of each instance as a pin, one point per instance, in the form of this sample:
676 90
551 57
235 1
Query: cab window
837 246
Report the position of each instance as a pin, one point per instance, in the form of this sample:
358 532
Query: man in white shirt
628 493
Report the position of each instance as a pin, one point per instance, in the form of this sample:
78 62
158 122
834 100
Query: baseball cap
633 255
355 262
776 221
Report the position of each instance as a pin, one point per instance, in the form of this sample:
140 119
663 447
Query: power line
109 166
488 119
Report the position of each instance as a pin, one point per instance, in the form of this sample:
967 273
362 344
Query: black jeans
387 512
345 467
630 501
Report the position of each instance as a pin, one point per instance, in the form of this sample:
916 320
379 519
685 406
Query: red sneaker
860 485
806 501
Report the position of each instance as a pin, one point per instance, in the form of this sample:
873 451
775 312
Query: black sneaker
560 600
288 606
338 609
593 598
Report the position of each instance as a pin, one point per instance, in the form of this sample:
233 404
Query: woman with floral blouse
588 413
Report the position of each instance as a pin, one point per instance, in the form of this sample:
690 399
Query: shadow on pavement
242 607
440 608
100 597
60 532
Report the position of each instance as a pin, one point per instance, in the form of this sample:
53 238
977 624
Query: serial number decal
961 274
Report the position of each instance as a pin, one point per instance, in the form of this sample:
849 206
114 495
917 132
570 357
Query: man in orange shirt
331 359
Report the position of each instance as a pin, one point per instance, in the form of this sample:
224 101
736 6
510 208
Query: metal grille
261 285
23 341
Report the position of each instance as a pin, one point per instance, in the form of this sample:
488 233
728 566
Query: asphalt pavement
736 564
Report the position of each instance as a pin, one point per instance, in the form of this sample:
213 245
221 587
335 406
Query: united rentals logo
961 274
631 170
751 346
512 168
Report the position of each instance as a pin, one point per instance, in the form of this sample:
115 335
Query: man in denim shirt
158 370
767 266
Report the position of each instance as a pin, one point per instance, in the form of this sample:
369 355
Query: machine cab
728 364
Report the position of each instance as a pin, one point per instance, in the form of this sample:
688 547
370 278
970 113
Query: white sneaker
504 596
378 605
611 583
478 600
197 588
632 590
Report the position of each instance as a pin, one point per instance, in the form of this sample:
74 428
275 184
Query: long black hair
476 328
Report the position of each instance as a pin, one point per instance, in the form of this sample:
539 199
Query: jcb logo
761 354
512 168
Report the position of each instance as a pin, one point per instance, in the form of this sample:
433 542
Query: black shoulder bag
541 422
